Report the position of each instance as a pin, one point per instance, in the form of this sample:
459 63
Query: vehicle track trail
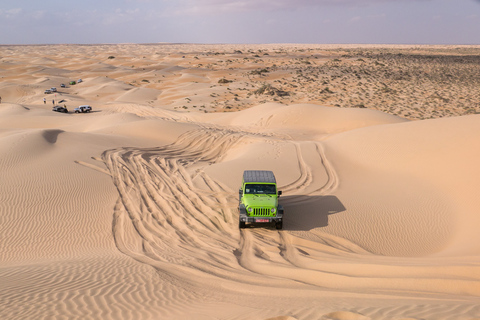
163 218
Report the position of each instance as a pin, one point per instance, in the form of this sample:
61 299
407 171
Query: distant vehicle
79 80
53 89
72 83
83 109
258 200
63 85
60 109
48 91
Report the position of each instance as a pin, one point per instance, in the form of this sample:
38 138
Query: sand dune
130 212
438 164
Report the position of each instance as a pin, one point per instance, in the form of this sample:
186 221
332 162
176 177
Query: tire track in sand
163 220
191 234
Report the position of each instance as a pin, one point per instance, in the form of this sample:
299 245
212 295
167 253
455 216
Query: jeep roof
262 176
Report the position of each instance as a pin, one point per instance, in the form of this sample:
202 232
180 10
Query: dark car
60 109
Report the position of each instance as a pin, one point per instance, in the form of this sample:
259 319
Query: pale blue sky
240 21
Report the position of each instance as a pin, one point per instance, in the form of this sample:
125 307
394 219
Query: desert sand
130 211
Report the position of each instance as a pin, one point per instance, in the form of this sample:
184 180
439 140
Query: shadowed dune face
51 135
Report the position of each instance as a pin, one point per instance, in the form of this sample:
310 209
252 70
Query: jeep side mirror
280 192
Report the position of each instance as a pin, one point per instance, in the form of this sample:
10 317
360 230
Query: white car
48 91
83 109
53 89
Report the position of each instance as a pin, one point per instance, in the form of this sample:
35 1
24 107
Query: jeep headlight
273 210
250 209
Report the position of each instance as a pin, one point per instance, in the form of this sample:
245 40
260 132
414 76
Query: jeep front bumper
260 219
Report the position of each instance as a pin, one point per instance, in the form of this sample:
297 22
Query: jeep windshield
260 189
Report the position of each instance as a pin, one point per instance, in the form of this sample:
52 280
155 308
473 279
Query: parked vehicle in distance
60 109
79 80
72 83
258 199
53 89
48 91
63 85
83 109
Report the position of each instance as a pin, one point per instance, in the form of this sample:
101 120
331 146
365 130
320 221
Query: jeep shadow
303 213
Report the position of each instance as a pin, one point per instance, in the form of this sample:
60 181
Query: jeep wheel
279 225
241 224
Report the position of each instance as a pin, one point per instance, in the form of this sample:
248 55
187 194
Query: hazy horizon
233 21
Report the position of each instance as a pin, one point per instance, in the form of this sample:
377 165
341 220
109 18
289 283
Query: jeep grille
261 212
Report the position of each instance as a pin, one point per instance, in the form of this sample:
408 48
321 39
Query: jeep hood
260 200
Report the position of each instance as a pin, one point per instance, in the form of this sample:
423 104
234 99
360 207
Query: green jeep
258 199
